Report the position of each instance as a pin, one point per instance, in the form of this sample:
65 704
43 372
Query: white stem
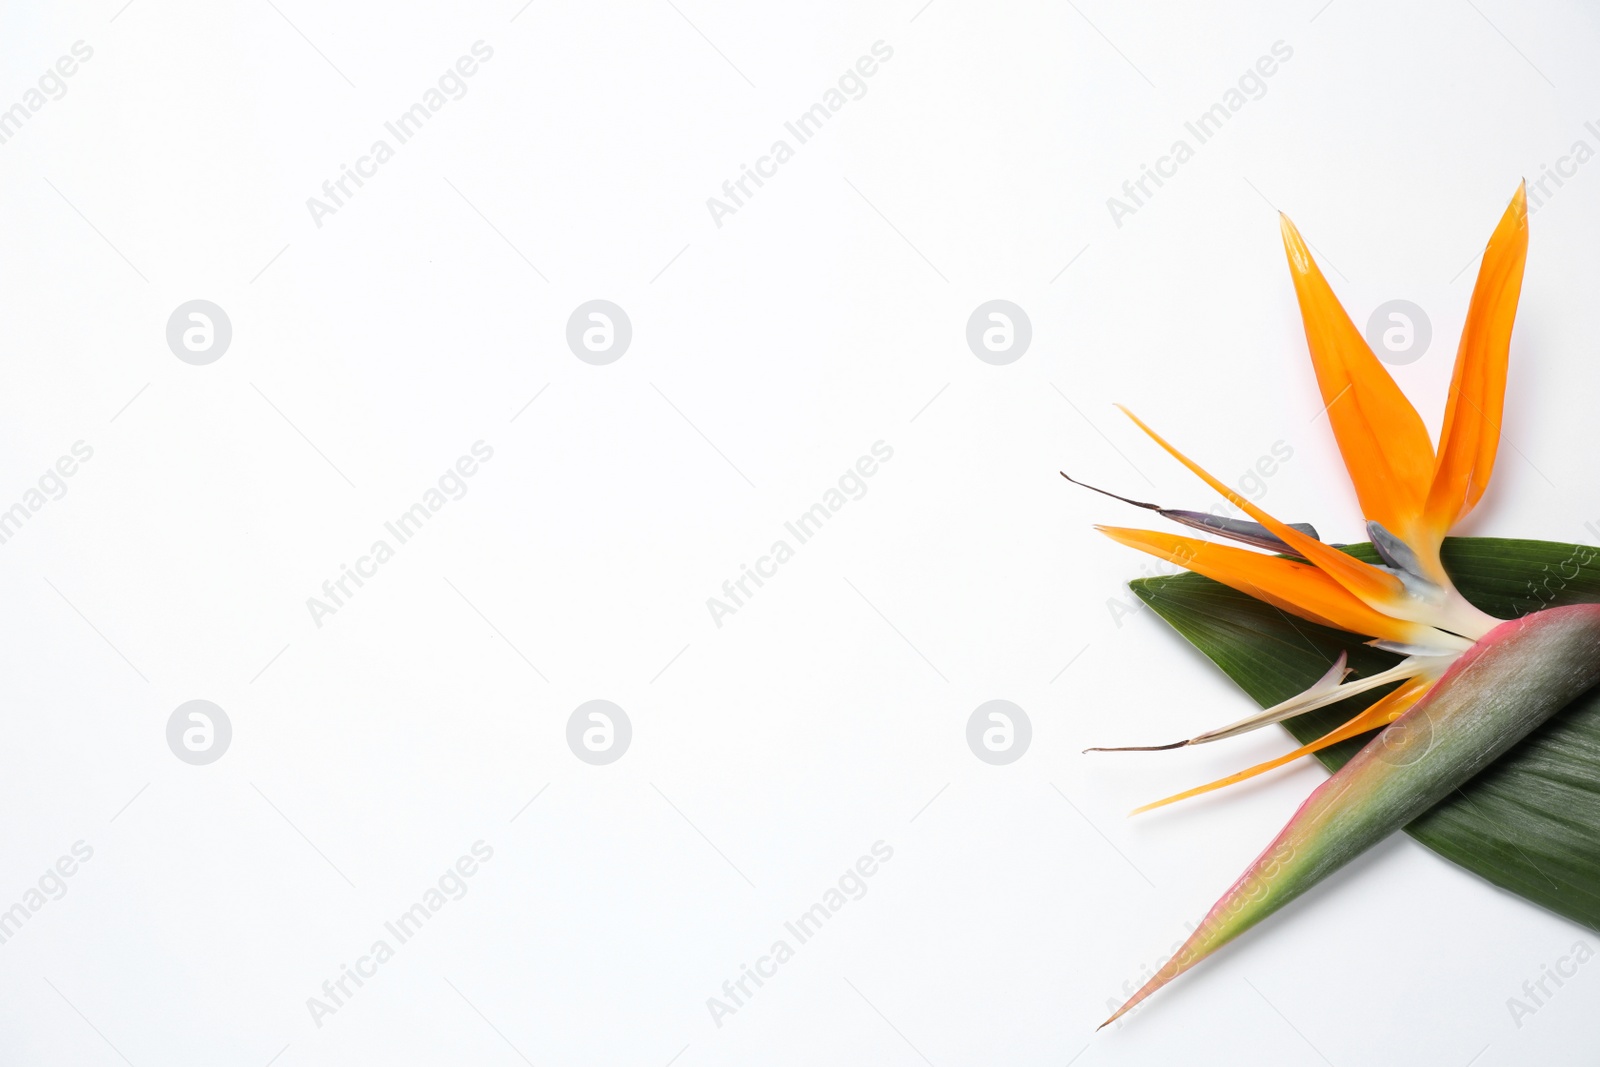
1312 699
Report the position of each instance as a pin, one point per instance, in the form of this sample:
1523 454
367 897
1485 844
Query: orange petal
1382 713
1298 588
1382 438
1377 588
1471 431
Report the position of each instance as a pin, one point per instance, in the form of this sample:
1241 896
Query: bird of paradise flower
1474 684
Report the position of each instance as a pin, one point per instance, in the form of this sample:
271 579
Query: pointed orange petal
1471 431
1382 438
1377 588
1298 588
1382 713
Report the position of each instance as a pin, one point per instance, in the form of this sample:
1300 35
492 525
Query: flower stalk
1469 686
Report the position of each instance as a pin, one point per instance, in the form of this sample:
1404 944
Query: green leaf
1531 822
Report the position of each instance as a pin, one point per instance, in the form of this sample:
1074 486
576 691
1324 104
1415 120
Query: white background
768 354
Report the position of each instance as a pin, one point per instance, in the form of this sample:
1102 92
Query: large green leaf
1531 822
